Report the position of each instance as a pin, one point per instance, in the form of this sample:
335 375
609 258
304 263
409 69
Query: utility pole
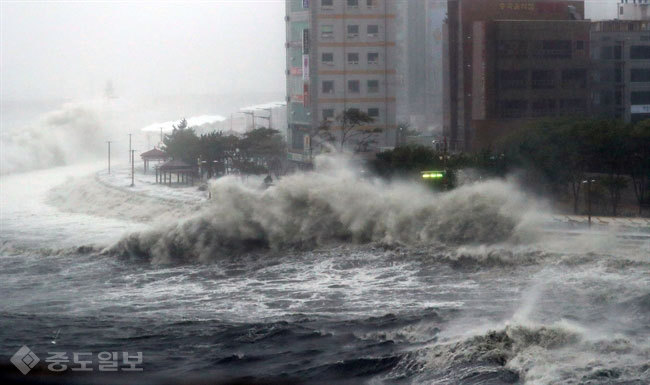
161 136
589 202
130 148
589 182
109 156
132 168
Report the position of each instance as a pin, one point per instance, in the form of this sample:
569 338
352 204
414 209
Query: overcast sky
70 49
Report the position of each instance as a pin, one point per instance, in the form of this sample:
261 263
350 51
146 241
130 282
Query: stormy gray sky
71 49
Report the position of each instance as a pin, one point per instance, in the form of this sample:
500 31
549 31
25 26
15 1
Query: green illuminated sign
433 174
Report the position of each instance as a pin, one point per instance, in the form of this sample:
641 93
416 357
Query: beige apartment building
341 55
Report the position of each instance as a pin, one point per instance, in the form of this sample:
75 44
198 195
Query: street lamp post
589 182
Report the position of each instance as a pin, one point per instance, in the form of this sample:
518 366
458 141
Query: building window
373 113
580 45
512 48
513 108
328 86
543 107
373 30
572 106
640 52
353 30
328 114
353 58
553 49
373 86
327 31
638 75
327 4
327 58
353 86
373 57
513 80
353 3
541 79
371 3
640 97
574 78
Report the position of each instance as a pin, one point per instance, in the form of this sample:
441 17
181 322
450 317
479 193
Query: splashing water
325 277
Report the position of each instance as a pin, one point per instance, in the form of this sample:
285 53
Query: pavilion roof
155 154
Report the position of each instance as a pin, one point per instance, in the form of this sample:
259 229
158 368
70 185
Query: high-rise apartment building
340 56
370 55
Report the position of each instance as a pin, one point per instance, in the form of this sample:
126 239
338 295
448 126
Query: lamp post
589 182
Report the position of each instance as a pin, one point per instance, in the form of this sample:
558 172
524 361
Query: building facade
532 69
510 60
621 69
340 56
376 56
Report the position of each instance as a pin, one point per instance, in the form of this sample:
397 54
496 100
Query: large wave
73 133
334 204
534 354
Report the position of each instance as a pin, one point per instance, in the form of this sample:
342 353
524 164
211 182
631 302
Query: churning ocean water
324 278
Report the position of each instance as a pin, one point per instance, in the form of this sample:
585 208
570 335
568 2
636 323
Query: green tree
264 147
554 149
183 143
348 128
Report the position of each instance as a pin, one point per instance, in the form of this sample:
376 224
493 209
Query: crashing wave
333 204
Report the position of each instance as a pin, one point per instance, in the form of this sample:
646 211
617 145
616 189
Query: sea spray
333 204
75 132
